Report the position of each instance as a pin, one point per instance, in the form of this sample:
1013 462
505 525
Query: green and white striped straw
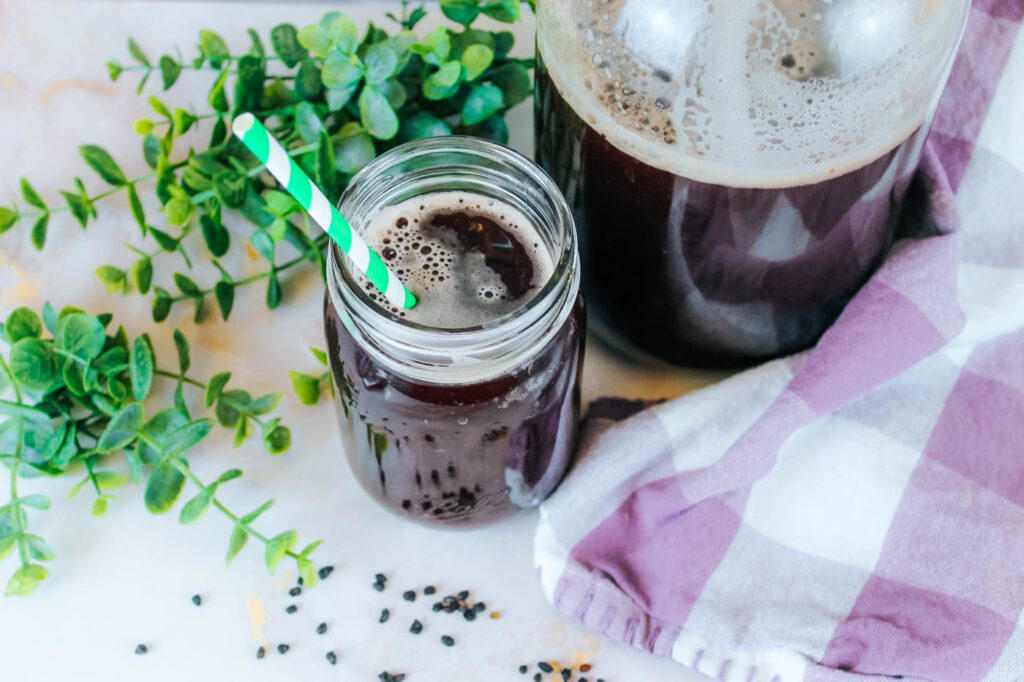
269 151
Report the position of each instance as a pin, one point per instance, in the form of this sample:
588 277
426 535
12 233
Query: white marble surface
127 578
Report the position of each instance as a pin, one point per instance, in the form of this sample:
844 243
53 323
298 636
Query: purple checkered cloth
856 511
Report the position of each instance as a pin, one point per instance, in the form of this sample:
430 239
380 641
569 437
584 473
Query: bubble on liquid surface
469 259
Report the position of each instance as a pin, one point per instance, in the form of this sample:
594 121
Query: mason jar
736 169
458 426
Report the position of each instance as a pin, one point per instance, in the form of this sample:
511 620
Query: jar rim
428 352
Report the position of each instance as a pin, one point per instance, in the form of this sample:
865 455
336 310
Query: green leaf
151 150
285 40
137 52
141 368
228 404
320 356
195 507
237 542
135 204
343 34
114 279
162 303
263 244
514 81
214 387
242 431
166 241
249 83
224 292
307 571
273 290
341 73
422 125
378 118
39 231
31 196
99 507
110 480
278 547
183 121
50 317
475 60
483 102
354 152
213 46
277 440
143 126
184 351
462 12
7 544
170 69
114 70
256 513
307 123
229 475
81 335
444 82
306 387
506 11
186 285
141 275
217 238
187 436
40 502
8 217
104 165
435 47
231 187
256 49
25 580
122 429
163 488
23 323
265 404
15 410
315 38
308 81
38 549
79 209
310 548
381 63
217 98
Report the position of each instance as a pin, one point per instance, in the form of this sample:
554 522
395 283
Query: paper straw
269 151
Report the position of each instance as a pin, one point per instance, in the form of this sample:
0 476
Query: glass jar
735 168
458 426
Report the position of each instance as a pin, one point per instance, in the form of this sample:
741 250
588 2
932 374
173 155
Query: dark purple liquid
462 453
709 275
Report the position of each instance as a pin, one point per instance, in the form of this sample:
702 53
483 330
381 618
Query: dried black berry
429 589
332 658
480 607
409 595
261 652
447 640
321 629
523 669
537 677
566 674
283 648
379 587
197 600
301 581
582 679
436 607
464 595
416 627
141 649
545 667
295 592
325 572
291 609
469 615
380 578
384 615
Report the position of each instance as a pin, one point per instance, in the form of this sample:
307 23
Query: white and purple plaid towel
857 510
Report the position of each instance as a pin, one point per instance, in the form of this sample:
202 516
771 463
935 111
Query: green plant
83 406
334 99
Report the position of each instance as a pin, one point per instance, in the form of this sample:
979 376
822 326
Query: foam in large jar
750 93
468 258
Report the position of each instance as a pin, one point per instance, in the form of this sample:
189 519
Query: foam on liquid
750 93
455 287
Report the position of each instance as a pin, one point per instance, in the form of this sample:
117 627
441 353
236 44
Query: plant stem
200 385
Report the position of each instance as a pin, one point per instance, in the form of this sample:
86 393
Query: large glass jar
458 426
735 167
